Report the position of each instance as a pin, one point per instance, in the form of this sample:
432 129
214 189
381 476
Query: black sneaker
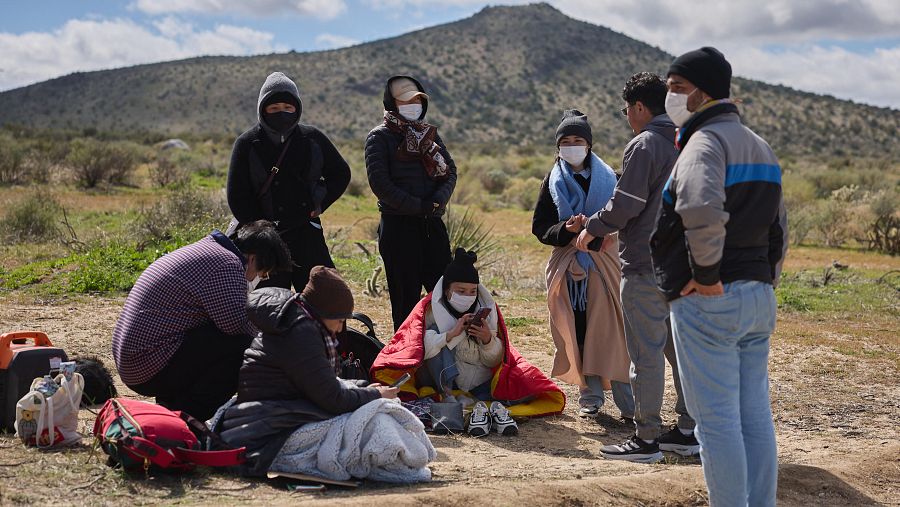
676 441
634 449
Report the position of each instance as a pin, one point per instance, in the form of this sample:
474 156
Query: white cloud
780 41
84 45
332 41
324 9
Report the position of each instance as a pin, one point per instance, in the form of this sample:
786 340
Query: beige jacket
605 354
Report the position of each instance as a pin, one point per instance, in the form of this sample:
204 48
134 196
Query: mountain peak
502 76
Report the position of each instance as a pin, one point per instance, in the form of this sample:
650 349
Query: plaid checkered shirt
197 284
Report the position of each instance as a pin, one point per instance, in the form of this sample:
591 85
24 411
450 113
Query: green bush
32 219
522 193
94 162
12 159
185 214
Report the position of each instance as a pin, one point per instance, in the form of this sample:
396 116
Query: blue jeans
593 395
443 372
722 343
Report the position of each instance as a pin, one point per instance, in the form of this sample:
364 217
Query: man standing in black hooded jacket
413 176
288 173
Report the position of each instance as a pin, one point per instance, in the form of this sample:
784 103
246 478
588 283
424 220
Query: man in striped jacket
182 333
717 250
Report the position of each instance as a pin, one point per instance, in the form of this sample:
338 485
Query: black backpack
358 350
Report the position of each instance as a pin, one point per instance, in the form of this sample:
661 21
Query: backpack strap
227 458
366 321
274 170
148 450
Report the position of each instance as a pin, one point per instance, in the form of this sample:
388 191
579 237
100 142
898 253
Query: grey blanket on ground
381 441
263 427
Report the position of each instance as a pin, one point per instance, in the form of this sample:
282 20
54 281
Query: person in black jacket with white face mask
310 176
413 176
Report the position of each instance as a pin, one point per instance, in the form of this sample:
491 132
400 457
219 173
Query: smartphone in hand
402 380
479 317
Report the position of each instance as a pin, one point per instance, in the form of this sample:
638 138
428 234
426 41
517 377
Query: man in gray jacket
717 248
646 164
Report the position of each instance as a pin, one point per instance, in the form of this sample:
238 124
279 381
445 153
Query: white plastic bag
45 421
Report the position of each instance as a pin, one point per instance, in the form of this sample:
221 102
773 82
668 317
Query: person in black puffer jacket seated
413 176
289 376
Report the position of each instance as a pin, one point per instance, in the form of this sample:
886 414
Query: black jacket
546 225
288 359
403 187
312 174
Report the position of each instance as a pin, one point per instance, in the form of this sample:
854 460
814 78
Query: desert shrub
883 227
468 232
836 218
169 169
12 159
799 199
34 218
185 214
494 181
522 193
94 162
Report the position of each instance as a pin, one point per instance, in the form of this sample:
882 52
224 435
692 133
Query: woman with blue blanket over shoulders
583 287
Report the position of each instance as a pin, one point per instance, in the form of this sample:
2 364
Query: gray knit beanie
574 123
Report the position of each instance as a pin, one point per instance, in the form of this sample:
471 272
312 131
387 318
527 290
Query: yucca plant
467 232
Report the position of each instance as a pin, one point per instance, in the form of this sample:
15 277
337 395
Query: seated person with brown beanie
290 373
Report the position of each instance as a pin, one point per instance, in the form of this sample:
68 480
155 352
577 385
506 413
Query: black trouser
580 329
308 249
202 375
415 251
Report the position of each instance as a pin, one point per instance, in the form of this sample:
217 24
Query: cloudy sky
846 48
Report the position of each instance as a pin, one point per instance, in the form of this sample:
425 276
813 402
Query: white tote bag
47 421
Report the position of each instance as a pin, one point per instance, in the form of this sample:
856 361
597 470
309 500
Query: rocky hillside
502 76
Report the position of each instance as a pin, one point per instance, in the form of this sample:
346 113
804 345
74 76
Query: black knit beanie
461 268
286 97
707 69
574 123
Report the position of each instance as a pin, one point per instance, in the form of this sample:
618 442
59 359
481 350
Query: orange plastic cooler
24 356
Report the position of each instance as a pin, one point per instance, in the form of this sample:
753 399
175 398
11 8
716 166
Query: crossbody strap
275 168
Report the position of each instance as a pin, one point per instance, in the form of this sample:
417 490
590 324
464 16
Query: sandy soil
836 419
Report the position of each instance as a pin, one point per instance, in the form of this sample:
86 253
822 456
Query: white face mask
461 303
574 155
676 107
411 112
251 285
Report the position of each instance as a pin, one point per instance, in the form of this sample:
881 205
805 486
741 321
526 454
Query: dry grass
835 384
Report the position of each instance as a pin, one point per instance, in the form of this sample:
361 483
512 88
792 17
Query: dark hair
648 89
262 240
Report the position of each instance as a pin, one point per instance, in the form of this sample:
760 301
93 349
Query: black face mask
281 121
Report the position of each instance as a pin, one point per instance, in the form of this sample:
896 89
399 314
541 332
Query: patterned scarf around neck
418 144
570 199
331 344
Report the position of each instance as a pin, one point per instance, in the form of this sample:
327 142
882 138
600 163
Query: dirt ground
835 413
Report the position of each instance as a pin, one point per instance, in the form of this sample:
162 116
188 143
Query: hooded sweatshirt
647 162
403 187
311 177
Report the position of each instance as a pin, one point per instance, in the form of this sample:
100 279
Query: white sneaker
479 420
502 422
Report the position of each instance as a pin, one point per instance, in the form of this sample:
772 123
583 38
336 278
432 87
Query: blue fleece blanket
570 200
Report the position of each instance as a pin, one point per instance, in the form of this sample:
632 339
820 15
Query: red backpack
137 434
